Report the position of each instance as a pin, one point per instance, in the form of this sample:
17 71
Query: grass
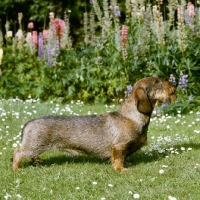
168 168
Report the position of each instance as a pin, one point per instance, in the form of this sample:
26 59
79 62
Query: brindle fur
114 135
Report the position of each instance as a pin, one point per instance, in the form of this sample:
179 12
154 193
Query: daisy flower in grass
161 171
171 198
136 196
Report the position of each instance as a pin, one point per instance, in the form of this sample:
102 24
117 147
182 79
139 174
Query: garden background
95 55
92 50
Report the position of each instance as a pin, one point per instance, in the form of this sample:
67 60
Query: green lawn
168 168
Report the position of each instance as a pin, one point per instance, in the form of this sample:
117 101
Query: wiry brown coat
114 135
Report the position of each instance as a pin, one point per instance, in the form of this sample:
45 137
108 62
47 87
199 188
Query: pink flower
124 35
59 26
45 33
30 25
190 9
35 38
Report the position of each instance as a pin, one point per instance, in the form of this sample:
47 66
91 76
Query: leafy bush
183 104
109 58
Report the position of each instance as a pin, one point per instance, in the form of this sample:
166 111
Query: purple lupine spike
50 53
129 90
183 81
41 46
117 11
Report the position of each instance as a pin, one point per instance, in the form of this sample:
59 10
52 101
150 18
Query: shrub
112 55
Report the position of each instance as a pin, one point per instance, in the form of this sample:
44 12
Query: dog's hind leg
118 157
19 154
17 158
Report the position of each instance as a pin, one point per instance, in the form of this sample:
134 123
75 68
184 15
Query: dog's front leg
118 157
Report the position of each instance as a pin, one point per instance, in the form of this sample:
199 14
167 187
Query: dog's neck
129 110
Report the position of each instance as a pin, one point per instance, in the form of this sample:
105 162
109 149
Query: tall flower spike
181 30
124 38
118 41
1 38
117 11
45 34
183 81
7 26
128 8
20 16
58 25
172 5
1 55
190 9
51 48
35 38
19 34
92 28
29 41
65 40
189 15
85 26
158 27
29 38
41 46
134 8
97 10
9 34
107 19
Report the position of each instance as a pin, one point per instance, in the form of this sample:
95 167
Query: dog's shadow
151 156
135 159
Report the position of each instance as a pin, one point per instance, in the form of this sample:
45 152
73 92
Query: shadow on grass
147 157
192 145
60 158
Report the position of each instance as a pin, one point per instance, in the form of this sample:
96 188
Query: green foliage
99 68
183 104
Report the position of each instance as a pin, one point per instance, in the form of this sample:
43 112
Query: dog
115 135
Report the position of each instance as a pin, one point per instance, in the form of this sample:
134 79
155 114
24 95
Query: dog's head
148 90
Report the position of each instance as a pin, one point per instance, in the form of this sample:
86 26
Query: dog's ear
142 102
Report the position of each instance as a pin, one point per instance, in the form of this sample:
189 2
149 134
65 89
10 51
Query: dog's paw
124 170
16 169
120 168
